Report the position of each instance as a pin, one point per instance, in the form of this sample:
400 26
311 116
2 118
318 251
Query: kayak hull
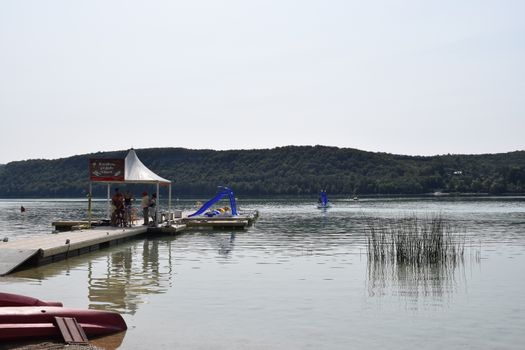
39 321
8 299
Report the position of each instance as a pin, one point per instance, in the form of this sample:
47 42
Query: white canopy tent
135 172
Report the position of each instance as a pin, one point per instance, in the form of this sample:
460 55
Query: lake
299 278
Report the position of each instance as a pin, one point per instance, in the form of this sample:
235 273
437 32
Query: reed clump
414 241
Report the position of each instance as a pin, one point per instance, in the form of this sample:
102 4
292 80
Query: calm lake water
298 279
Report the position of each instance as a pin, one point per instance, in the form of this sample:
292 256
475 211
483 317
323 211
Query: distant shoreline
285 197
285 171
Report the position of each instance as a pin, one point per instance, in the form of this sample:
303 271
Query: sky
398 76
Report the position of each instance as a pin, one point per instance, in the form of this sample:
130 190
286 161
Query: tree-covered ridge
291 170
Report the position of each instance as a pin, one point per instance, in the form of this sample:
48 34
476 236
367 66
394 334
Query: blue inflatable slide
223 191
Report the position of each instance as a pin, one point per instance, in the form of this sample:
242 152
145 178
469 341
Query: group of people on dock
123 213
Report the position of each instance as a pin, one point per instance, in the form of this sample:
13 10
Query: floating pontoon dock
53 247
76 238
221 222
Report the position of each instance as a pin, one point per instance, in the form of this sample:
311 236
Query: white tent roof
136 172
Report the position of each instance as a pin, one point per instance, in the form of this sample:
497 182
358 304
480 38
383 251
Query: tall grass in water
414 257
414 241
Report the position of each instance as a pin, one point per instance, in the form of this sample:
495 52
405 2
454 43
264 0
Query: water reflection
123 278
130 276
417 285
226 245
417 258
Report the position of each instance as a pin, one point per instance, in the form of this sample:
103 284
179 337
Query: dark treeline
292 170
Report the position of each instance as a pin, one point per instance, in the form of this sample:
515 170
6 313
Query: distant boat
439 194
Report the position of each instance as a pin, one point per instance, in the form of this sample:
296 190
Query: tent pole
169 204
157 206
109 202
89 203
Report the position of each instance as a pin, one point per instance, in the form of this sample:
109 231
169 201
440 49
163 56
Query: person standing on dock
144 203
117 203
153 207
128 199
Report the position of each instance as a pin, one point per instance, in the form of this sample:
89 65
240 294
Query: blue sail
323 200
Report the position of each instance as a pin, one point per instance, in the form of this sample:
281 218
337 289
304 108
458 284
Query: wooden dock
74 238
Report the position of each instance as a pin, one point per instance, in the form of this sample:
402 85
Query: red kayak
8 299
39 321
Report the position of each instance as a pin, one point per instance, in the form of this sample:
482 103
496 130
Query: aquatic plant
414 241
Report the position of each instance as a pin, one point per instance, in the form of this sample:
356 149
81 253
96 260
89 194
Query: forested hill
292 170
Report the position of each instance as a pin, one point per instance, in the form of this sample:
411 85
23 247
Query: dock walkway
74 238
54 247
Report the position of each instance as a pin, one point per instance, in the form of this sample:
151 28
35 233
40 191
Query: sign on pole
103 169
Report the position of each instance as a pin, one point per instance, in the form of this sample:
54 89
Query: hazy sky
418 77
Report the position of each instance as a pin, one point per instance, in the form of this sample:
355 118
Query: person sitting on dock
144 203
224 211
117 203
